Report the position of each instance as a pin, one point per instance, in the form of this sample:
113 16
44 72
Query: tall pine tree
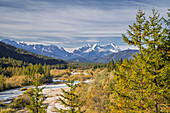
142 84
2 82
137 32
70 100
37 98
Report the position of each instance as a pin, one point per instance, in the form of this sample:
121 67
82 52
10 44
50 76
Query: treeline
138 85
11 67
26 70
7 50
79 65
6 62
113 65
16 73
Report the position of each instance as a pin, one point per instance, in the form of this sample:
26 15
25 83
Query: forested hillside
21 54
120 55
18 67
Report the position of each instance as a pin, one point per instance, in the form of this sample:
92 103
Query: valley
87 53
51 91
39 75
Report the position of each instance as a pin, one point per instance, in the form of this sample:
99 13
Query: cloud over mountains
72 23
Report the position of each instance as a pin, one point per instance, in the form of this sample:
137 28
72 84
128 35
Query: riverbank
52 100
15 92
51 91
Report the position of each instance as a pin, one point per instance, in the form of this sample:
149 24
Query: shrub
23 89
23 100
14 105
65 76
29 91
8 110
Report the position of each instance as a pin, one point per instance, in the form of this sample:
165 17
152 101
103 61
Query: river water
12 93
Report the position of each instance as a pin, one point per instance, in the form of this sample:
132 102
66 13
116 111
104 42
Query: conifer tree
47 72
40 69
156 62
111 65
166 46
142 84
137 32
70 100
36 98
136 37
2 82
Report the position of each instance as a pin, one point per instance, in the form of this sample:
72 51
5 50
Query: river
12 93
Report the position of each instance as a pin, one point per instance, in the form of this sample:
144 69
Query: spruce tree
70 100
166 46
2 82
136 37
37 98
47 71
40 69
137 32
111 66
156 61
142 84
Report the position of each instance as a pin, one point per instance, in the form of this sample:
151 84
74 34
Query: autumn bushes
18 103
8 110
96 93
59 73
19 81
14 82
79 75
111 93
13 77
30 100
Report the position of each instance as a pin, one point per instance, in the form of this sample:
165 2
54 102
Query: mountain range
50 51
87 53
7 50
122 54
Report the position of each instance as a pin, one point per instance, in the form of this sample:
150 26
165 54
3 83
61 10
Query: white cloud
60 22
128 47
92 40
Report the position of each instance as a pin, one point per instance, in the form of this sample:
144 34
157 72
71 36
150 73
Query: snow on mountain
89 51
51 50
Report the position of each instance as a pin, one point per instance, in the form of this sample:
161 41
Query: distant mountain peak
94 46
92 51
113 45
22 42
7 50
47 50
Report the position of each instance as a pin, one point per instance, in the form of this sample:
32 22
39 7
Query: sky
72 23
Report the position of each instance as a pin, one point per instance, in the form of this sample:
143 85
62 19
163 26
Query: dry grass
9 110
59 73
19 81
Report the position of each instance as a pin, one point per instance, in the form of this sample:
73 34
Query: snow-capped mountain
87 53
51 50
91 50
